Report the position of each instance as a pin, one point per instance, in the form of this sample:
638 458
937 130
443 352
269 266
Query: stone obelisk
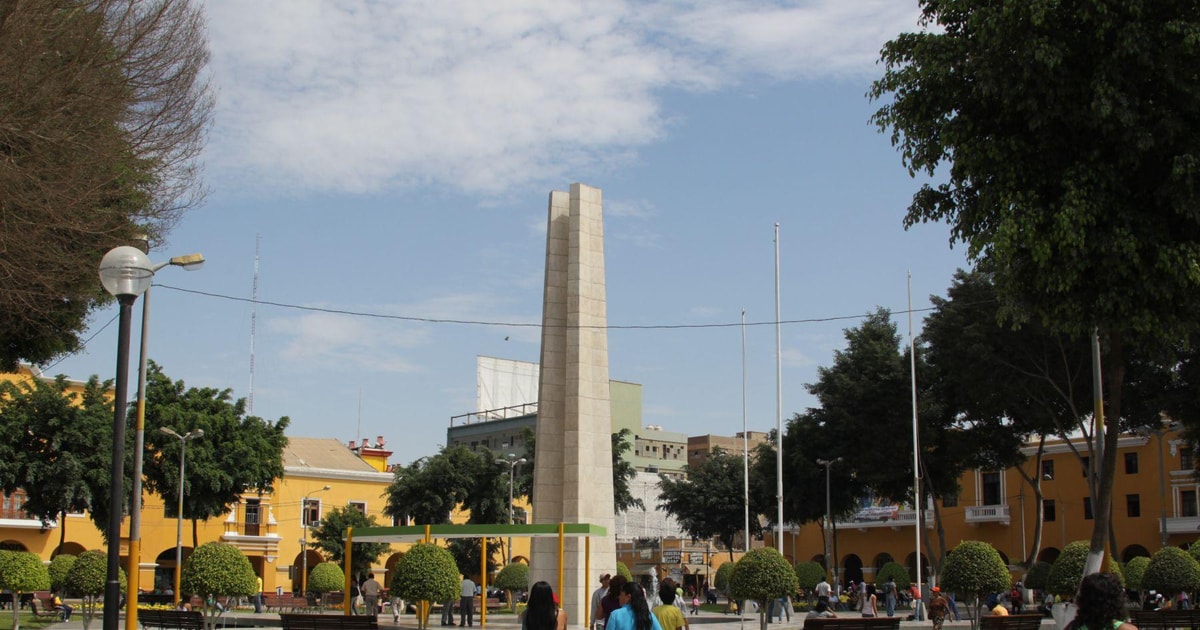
572 477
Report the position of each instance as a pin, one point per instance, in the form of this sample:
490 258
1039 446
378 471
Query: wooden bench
40 610
1164 619
293 621
1011 622
180 619
285 602
851 623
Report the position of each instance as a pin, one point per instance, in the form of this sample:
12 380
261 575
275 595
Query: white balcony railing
1183 525
979 514
895 519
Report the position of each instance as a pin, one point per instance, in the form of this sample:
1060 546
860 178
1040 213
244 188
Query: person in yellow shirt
999 610
668 614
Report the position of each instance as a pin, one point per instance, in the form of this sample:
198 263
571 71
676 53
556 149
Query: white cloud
360 97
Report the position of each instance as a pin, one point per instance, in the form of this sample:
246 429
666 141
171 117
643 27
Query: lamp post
827 463
512 463
183 440
126 273
304 542
191 262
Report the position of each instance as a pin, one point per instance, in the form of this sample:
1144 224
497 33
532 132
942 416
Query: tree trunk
16 608
1114 377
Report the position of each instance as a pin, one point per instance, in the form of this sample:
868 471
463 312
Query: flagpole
745 443
912 357
778 406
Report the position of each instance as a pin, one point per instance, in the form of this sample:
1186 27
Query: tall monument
572 477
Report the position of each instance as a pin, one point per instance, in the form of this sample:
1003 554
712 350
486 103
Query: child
695 605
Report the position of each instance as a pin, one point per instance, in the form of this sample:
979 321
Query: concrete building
699 446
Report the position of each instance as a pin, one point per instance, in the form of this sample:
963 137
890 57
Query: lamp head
126 271
190 262
168 431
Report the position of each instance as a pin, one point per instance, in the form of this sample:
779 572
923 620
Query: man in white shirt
466 605
598 595
822 590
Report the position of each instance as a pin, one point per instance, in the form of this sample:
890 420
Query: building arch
1134 551
13 545
1049 554
881 559
521 559
70 548
1004 557
852 568
911 564
390 565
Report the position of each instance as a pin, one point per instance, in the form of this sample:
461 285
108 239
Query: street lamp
191 262
827 463
512 463
126 273
304 542
183 440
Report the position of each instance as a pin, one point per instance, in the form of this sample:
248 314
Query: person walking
939 608
371 589
258 596
466 604
822 589
870 606
597 595
634 613
667 613
889 595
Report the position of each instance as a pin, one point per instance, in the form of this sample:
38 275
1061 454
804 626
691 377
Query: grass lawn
27 620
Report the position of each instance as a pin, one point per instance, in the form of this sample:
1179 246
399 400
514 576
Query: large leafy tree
238 454
709 501
329 538
106 110
1069 133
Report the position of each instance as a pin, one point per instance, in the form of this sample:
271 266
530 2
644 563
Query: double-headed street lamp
512 463
126 273
191 262
827 463
304 524
183 440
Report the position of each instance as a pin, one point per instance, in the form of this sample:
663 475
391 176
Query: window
312 511
1087 508
359 507
253 508
1131 463
1187 503
1048 511
1086 464
1048 469
1186 462
991 488
1133 505
950 501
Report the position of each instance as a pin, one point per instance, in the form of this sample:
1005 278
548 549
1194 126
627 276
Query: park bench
1011 622
852 623
41 611
174 619
1164 619
283 603
294 621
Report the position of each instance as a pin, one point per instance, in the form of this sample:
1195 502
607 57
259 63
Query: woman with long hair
870 603
612 600
541 613
1101 604
634 613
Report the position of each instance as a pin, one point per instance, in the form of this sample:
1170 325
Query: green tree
623 571
86 580
1171 571
59 568
328 537
721 579
217 570
975 569
513 577
1068 569
238 453
106 112
762 575
1038 574
808 575
707 502
21 571
896 571
1135 574
1070 136
426 573
326 578
623 473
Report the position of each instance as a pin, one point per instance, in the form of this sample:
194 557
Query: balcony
872 518
251 535
980 514
1183 525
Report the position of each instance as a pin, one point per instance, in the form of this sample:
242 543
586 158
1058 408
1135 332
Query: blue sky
396 160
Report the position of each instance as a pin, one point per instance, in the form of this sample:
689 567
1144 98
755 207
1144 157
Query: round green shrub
326 577
762 575
623 571
1171 571
975 569
89 573
21 571
893 570
59 567
1067 570
1135 573
1194 550
513 577
218 569
1037 575
809 574
427 573
721 580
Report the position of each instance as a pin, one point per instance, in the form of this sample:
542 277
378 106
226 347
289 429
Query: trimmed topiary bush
514 577
86 580
809 574
1037 575
21 571
975 569
893 570
1067 570
623 571
1171 571
217 570
327 577
427 573
59 567
762 575
1135 573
